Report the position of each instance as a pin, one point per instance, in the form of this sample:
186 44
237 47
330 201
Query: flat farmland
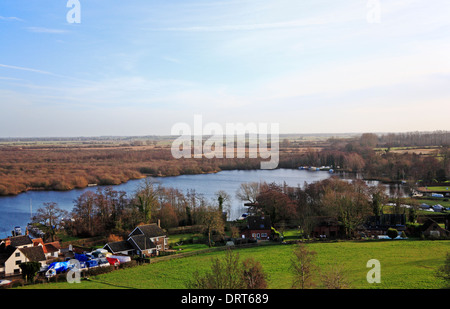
67 165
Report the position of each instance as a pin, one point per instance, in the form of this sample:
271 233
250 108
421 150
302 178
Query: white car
5 282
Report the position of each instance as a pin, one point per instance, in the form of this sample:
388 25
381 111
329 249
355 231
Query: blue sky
138 67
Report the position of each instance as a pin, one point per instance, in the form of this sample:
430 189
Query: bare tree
348 203
248 192
146 200
224 201
230 273
303 267
84 212
253 274
50 216
211 221
335 278
226 274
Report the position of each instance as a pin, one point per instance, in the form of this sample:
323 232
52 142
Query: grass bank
409 264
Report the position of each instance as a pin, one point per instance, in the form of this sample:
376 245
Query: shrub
392 233
444 271
230 273
99 270
130 264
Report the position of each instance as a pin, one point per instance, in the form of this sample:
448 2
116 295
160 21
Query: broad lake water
16 210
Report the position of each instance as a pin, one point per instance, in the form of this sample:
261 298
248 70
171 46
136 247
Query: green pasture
405 264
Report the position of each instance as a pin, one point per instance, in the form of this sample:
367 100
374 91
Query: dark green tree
29 270
443 272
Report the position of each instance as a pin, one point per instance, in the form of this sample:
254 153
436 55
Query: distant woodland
65 164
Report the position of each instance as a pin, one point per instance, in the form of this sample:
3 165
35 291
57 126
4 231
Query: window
17 254
18 262
263 234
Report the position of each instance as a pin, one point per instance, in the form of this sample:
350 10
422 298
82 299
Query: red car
113 261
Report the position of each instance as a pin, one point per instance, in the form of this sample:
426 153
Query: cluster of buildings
144 240
20 249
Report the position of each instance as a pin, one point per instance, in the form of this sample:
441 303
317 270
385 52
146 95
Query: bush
99 270
392 233
129 264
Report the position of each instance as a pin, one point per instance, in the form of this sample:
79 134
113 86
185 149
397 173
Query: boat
113 261
56 268
121 258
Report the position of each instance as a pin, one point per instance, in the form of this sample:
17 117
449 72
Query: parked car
5 282
424 206
438 208
113 261
102 262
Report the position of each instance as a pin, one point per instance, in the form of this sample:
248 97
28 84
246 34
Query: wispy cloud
11 18
24 69
251 27
13 67
46 30
9 78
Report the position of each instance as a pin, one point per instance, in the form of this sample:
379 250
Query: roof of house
22 240
141 242
149 230
34 254
37 241
429 223
5 253
119 246
50 248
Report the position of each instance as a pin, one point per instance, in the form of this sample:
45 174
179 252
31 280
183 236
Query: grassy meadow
408 264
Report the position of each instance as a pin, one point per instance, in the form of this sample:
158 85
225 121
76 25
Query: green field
432 202
439 188
407 264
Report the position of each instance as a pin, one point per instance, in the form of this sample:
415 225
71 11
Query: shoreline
336 172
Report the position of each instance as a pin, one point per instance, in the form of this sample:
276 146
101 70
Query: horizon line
170 135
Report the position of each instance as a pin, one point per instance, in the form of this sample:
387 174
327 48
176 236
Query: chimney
159 223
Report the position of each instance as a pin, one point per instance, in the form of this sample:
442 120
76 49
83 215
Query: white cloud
12 18
24 69
46 30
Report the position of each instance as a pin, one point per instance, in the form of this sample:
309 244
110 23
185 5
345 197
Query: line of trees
360 156
350 203
107 211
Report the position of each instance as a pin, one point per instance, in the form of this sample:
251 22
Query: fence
214 249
